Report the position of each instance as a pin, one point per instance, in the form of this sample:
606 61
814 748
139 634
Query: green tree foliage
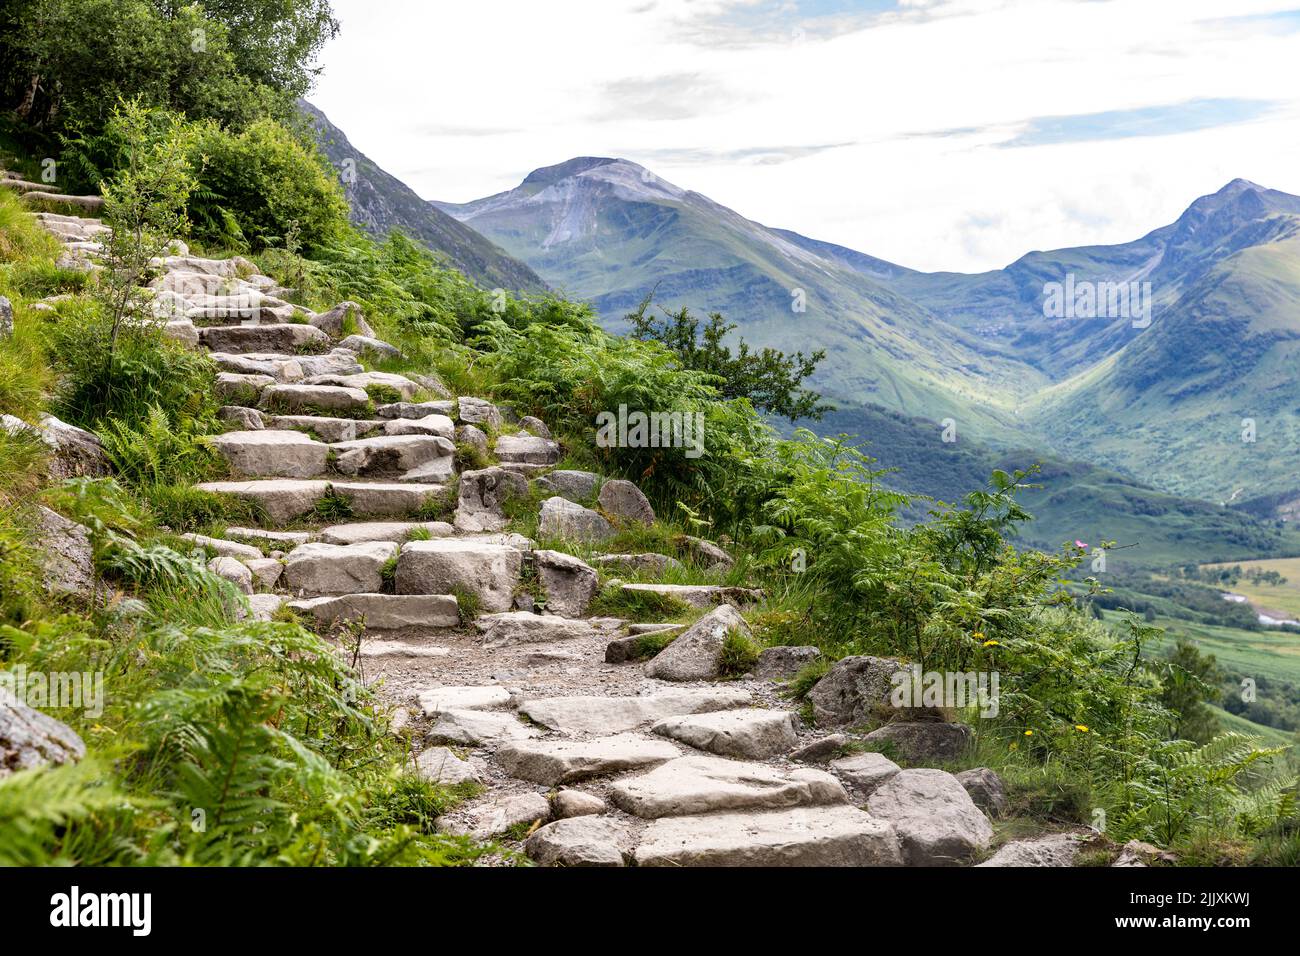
1187 681
771 380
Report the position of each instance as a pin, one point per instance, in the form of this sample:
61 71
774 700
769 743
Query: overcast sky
939 134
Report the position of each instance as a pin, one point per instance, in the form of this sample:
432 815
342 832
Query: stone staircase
587 755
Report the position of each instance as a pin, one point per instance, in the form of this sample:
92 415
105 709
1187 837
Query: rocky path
587 754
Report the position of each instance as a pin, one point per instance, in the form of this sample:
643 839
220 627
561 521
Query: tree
770 379
1189 679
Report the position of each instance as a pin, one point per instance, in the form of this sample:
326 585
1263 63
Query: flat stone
364 381
936 821
1058 849
745 734
802 836
575 803
570 584
576 486
581 841
240 387
526 449
284 499
439 426
271 452
782 662
392 456
368 343
398 531
384 612
326 429
263 607
552 762
477 728
567 520
416 410
624 500
422 649
498 814
923 741
314 397
512 628
603 715
700 784
471 697
986 790
700 595
865 771
448 565
440 765
266 572
693 655
244 419
275 337
316 568
291 538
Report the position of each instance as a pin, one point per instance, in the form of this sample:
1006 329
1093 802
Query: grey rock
865 771
708 553
483 495
30 739
467 697
700 595
821 750
553 762
535 426
398 410
384 612
332 322
67 557
693 655
6 317
476 411
478 728
448 565
498 814
234 571
317 568
526 449
855 691
986 789
575 485
744 734
367 343
269 453
567 520
245 419
581 841
624 500
1058 849
570 584
924 741
575 803
648 563
440 765
936 821
597 715
701 784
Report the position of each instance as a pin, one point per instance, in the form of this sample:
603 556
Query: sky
938 134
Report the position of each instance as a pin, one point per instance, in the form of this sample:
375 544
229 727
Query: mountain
610 231
381 203
1160 400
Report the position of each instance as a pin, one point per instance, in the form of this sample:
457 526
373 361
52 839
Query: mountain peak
546 175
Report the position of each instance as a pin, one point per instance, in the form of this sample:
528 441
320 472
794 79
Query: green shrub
738 655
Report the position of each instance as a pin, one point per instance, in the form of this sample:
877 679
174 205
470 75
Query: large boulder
986 789
345 319
855 691
483 495
924 741
936 820
624 500
569 521
526 450
477 411
30 739
570 584
68 559
783 662
450 566
693 655
74 452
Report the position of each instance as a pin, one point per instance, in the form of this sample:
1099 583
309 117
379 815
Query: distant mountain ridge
1163 404
380 203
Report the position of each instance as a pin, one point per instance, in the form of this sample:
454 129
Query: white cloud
462 100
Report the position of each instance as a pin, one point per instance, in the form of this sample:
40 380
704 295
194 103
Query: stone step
552 762
88 203
803 836
398 531
402 385
699 595
337 361
744 734
272 453
324 428
223 548
465 697
449 565
604 715
404 457
478 728
512 628
275 337
526 449
311 397
701 784
278 540
253 306
384 612
284 499
316 569
281 370
415 410
438 425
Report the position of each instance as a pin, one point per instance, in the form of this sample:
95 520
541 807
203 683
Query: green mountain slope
381 203
610 231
